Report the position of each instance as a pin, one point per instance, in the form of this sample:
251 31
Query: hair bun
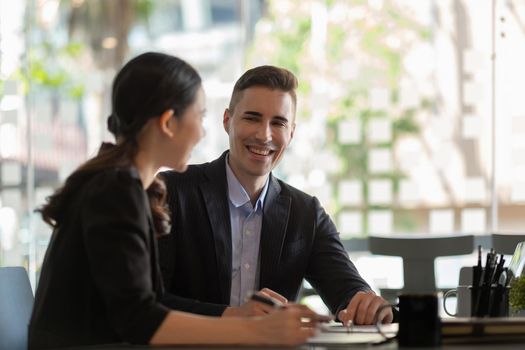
113 124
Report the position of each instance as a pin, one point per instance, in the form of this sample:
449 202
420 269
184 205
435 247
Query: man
237 228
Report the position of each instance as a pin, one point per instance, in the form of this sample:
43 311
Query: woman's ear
166 122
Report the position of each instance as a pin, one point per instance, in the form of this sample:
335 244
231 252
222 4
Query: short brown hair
271 77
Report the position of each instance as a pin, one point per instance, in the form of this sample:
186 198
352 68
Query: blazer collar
273 232
276 212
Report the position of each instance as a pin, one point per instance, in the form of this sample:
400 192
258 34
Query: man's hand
362 309
254 308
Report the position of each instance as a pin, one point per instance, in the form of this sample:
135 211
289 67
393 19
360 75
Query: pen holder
489 301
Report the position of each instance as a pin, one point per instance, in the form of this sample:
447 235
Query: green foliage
52 67
517 294
143 8
361 41
405 124
40 74
72 50
404 221
336 38
76 91
292 45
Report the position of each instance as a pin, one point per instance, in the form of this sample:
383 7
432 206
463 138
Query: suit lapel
273 231
215 197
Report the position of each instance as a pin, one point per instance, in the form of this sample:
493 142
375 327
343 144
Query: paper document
333 327
335 333
344 338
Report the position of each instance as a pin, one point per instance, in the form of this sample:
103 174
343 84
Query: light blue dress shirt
246 222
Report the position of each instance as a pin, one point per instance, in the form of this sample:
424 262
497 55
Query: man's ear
226 119
292 133
167 123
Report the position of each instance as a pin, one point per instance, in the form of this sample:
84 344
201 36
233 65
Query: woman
100 281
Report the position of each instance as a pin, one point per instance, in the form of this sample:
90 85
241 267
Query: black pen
479 255
499 270
487 273
277 304
477 270
266 300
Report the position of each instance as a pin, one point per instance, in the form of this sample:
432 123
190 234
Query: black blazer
298 240
100 281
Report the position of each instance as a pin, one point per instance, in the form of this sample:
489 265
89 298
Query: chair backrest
505 243
418 253
16 303
465 276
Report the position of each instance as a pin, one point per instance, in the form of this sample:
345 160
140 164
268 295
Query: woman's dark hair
145 87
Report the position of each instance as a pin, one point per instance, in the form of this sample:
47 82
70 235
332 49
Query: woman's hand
290 325
254 308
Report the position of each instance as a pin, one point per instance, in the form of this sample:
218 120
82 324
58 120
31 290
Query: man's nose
264 132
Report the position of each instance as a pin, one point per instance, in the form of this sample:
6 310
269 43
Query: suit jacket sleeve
329 270
191 305
167 252
117 240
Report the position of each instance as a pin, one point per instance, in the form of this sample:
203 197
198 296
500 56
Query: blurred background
411 118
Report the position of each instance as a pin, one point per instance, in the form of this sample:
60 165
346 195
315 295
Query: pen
487 273
277 304
477 270
499 270
479 256
266 300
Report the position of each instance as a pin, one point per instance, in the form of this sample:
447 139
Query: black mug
419 323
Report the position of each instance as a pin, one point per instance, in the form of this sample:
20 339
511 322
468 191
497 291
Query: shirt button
248 232
246 266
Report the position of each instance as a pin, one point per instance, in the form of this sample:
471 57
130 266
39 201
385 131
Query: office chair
505 243
418 253
16 303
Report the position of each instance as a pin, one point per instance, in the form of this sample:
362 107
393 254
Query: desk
361 330
388 346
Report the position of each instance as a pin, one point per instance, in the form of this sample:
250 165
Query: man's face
260 128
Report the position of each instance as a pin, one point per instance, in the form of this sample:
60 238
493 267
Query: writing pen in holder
477 272
499 270
485 286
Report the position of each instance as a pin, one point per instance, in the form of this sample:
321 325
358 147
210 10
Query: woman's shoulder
114 180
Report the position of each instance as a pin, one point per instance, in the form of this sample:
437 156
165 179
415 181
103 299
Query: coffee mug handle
449 293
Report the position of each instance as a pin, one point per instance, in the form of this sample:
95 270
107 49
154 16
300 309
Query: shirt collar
237 194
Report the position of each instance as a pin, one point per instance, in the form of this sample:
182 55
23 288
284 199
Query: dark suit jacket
100 281
298 240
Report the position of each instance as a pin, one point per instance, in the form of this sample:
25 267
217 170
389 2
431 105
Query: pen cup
480 296
490 301
499 306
